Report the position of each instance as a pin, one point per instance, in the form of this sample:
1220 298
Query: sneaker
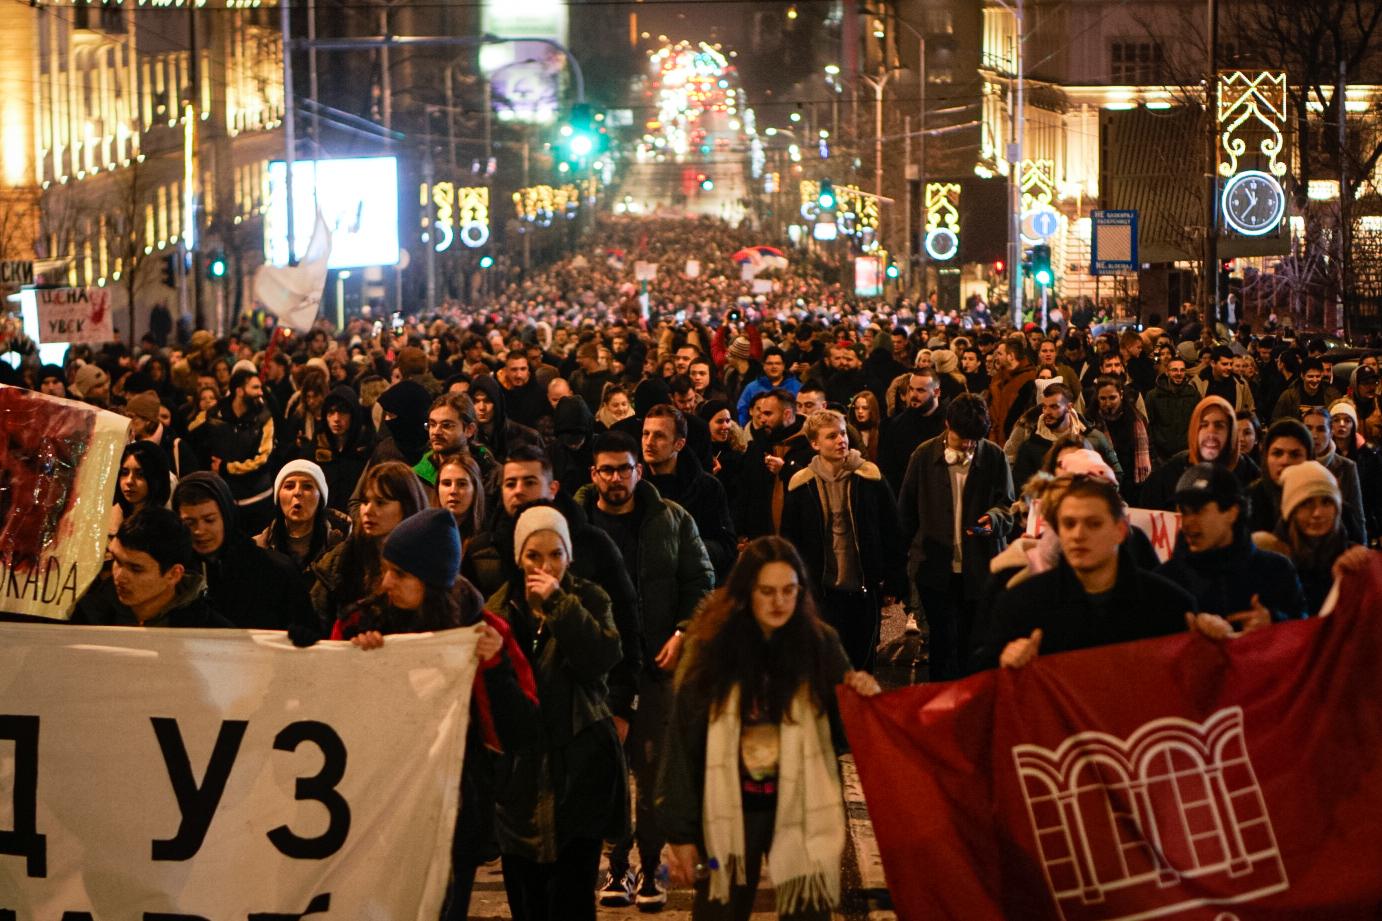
616 891
652 890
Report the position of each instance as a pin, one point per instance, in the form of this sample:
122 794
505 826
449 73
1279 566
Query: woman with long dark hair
461 491
350 571
143 481
866 416
749 768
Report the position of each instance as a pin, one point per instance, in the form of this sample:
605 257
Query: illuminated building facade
135 132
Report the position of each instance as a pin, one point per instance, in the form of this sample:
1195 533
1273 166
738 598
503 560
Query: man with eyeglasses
663 551
450 426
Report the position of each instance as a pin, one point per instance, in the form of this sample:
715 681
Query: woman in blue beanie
422 591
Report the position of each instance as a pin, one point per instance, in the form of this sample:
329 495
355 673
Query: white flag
293 293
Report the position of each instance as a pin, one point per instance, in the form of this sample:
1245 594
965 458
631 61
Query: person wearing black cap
52 381
254 588
421 591
1215 558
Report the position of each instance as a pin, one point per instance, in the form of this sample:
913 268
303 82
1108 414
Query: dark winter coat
190 608
575 784
674 572
704 497
1143 605
760 490
926 514
245 445
873 513
489 564
1224 581
344 460
901 435
1169 408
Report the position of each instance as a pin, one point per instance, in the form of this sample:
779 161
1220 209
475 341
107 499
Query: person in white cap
558 804
303 527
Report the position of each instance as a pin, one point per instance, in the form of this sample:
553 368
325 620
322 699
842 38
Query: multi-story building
136 143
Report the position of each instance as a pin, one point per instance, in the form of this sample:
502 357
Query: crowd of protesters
677 521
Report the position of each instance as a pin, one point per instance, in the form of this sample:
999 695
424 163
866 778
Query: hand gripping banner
1176 777
205 775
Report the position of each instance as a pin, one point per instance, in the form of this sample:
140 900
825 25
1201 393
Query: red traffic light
999 265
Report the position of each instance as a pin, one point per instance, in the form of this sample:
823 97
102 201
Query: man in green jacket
672 573
1169 407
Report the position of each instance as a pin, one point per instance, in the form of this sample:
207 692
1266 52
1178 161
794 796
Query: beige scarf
809 828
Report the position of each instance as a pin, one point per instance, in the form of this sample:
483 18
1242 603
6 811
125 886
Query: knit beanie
1085 462
1345 408
88 378
539 518
246 365
739 348
302 466
1305 481
143 405
428 546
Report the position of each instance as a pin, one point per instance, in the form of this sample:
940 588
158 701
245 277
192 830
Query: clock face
1253 203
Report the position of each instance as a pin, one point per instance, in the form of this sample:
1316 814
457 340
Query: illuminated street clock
1253 203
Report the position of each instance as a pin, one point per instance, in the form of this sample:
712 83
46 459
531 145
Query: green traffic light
486 261
217 267
892 271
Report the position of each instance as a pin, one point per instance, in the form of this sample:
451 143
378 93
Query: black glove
303 635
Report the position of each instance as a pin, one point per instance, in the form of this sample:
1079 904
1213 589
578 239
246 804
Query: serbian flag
1175 777
760 258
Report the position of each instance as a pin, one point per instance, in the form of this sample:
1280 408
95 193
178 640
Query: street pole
1345 206
1015 280
1210 288
878 135
526 231
289 122
907 204
430 249
921 158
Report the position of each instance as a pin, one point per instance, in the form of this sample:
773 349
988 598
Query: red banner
1175 777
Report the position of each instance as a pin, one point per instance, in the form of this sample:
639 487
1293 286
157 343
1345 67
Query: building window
939 22
1136 63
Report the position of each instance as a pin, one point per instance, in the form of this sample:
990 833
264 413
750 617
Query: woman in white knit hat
555 806
1312 530
302 527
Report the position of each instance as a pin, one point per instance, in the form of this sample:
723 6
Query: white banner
75 315
60 474
210 775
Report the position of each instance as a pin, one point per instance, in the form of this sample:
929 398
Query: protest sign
60 467
75 316
1161 527
210 775
1169 777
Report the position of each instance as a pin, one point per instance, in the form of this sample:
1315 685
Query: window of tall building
1133 62
939 22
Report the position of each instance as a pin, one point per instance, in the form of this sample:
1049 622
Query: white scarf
809 827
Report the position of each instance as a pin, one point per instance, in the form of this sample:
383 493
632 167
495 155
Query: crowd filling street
677 520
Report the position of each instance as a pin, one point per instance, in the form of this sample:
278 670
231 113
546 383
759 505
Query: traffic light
486 261
216 266
999 266
825 198
892 271
170 270
1041 265
707 184
581 138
